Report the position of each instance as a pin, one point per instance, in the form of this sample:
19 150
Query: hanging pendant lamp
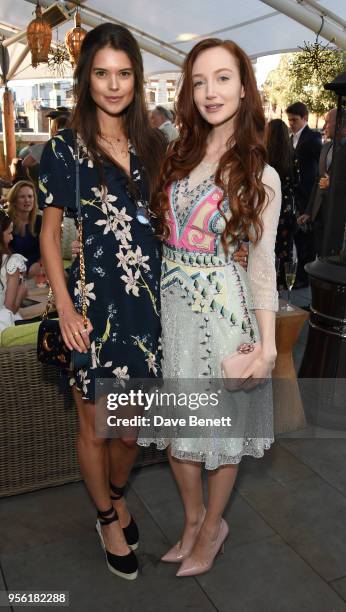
74 39
39 35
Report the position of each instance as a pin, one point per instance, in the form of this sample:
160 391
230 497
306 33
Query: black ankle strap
105 518
119 491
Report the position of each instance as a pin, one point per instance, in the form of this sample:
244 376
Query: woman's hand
74 334
303 219
259 370
35 269
241 256
324 182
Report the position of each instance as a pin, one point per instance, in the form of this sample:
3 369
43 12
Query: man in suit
161 118
306 144
316 209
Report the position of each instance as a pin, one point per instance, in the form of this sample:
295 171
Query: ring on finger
75 333
84 331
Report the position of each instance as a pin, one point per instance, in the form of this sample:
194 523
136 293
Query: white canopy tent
167 30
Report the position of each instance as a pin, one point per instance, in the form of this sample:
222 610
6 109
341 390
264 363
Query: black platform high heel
131 531
125 566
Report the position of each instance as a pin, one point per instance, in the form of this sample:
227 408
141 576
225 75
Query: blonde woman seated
23 210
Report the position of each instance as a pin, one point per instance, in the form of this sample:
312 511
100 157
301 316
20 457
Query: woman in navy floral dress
119 156
122 260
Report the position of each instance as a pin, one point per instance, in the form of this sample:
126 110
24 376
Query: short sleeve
57 174
261 263
15 262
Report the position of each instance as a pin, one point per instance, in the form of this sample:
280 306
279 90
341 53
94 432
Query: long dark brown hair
239 173
279 152
148 142
5 222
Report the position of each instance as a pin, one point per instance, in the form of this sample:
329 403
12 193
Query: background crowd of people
294 150
20 224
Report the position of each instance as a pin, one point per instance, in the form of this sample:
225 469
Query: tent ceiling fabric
254 25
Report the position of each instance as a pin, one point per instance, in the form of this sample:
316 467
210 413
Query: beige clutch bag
234 366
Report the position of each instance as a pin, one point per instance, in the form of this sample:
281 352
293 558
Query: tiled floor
286 550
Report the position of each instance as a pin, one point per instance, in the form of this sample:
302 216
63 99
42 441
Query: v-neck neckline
129 175
189 191
182 220
111 161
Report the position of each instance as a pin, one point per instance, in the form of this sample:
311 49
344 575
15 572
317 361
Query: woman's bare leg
122 456
188 476
220 486
92 461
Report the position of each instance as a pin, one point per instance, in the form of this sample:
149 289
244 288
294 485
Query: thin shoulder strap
76 161
80 232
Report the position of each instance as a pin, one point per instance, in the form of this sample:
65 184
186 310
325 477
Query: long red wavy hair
239 173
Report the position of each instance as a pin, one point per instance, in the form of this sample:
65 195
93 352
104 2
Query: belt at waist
196 258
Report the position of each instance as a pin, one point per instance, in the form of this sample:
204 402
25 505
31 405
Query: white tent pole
133 29
146 45
309 20
324 11
17 63
15 38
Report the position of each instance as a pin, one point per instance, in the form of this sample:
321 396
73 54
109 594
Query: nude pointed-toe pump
192 568
178 553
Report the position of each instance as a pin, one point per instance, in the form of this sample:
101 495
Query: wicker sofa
38 422
38 425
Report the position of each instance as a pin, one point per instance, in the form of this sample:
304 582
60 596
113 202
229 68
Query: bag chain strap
82 272
50 298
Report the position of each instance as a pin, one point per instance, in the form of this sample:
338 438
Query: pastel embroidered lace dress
208 302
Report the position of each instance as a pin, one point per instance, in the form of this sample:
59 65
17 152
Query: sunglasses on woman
142 213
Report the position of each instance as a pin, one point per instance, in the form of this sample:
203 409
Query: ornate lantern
39 35
74 39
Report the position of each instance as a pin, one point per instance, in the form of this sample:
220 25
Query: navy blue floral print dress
122 262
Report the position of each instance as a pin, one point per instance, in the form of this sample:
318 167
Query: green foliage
302 76
276 85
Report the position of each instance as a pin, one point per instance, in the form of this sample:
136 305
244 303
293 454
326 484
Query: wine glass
41 278
290 276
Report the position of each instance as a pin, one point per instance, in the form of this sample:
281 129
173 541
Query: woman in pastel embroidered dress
119 154
215 191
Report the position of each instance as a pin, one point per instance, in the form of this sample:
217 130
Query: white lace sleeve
15 262
261 263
